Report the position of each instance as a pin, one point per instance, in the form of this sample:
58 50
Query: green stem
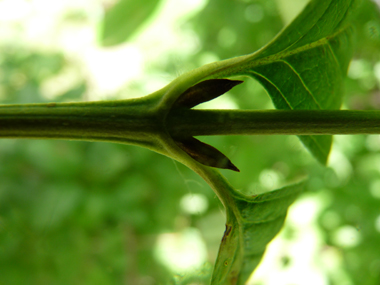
138 122
272 122
132 121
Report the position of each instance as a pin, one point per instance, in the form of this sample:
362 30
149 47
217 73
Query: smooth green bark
137 121
134 121
273 122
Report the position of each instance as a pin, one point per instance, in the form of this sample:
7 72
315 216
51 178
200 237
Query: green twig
273 122
137 121
132 121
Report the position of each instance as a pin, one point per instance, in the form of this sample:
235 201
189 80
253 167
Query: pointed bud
205 154
205 91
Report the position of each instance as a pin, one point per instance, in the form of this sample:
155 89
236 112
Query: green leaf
124 18
304 67
251 224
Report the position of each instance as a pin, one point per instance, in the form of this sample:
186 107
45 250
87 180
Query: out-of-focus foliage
22 73
351 223
124 18
76 212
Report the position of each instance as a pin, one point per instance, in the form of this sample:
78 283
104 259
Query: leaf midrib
284 54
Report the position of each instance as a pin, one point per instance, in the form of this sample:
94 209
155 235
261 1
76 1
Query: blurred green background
100 213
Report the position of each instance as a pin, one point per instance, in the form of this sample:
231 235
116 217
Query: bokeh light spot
269 179
194 203
377 224
374 188
254 13
182 251
347 236
373 142
226 37
330 220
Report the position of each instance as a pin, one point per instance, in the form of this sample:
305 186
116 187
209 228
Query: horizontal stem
138 122
129 121
272 122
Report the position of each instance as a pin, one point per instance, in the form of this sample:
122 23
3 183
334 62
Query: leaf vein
302 82
274 85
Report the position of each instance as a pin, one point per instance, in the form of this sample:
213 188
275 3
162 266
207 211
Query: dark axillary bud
205 154
205 91
197 94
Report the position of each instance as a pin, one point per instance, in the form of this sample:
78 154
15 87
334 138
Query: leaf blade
304 67
249 228
309 60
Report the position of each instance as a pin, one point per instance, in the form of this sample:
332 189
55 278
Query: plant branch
272 122
132 121
137 122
